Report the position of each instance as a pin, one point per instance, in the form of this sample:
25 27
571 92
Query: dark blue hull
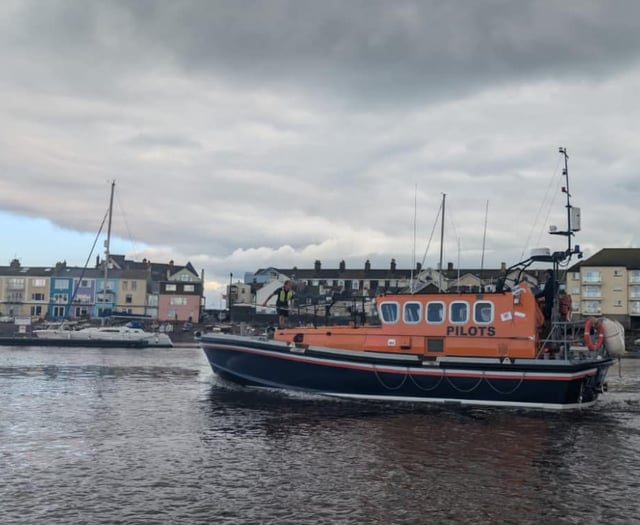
525 383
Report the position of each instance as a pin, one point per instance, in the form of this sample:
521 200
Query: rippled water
152 436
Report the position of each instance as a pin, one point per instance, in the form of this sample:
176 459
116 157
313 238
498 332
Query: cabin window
412 313
389 312
435 312
459 312
483 312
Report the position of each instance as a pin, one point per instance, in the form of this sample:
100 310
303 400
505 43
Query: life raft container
591 343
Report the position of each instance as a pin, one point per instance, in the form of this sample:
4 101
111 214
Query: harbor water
141 436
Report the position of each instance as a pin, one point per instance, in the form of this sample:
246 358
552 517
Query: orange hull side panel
513 331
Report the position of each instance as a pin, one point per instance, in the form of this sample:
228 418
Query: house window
82 298
14 297
591 307
177 300
15 284
38 283
128 299
591 291
591 276
134 285
634 276
84 283
58 311
189 288
634 291
635 307
171 288
412 312
575 290
37 297
125 285
60 284
60 298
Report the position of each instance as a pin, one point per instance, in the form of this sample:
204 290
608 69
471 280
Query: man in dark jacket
549 294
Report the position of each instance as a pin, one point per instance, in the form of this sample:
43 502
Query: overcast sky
243 135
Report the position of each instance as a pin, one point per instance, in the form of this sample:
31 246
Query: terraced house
156 291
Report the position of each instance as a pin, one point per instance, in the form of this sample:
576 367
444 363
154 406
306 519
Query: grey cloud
370 50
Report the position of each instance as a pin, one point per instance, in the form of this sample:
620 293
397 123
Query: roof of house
159 271
384 274
627 257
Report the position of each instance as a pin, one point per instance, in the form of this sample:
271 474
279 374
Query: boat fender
613 336
591 344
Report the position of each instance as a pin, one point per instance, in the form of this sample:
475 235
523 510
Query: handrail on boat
562 337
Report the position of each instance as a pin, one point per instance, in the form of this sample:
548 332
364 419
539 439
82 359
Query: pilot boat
490 348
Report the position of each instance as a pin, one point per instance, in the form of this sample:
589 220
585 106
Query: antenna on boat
484 238
573 214
444 196
413 260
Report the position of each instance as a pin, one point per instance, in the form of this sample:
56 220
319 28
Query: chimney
450 266
317 265
342 266
367 265
503 266
393 265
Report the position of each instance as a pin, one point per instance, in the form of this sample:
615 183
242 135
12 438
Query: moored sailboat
104 335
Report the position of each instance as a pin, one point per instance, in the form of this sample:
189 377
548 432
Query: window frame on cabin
415 318
443 312
452 318
386 305
476 316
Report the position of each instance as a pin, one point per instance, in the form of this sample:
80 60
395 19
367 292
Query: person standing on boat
284 302
548 293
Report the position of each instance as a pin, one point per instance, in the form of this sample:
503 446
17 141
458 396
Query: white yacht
113 334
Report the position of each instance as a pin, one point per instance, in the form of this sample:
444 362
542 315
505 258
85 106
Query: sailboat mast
107 243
